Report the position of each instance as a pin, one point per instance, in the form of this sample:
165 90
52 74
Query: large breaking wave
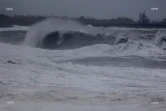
66 34
55 33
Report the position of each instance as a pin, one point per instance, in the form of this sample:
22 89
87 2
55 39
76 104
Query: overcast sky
92 8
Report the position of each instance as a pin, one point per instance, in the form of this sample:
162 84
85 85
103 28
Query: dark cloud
93 8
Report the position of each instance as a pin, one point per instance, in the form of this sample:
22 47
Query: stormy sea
62 65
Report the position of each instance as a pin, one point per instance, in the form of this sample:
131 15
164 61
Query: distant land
143 21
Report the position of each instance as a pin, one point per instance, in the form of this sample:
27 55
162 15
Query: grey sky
92 8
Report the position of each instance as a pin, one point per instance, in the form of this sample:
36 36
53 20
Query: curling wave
61 34
67 34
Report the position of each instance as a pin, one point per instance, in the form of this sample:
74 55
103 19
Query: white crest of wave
160 35
38 31
121 36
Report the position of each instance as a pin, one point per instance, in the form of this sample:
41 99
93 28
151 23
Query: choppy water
130 61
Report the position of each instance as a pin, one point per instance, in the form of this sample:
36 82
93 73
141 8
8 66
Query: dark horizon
136 18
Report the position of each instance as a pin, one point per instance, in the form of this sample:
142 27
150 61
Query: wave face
61 34
66 34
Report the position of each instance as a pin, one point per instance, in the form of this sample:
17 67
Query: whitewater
60 65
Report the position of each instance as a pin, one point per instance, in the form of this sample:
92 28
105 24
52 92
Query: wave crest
67 34
55 33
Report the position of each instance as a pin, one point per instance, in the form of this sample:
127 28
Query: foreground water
129 61
99 77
